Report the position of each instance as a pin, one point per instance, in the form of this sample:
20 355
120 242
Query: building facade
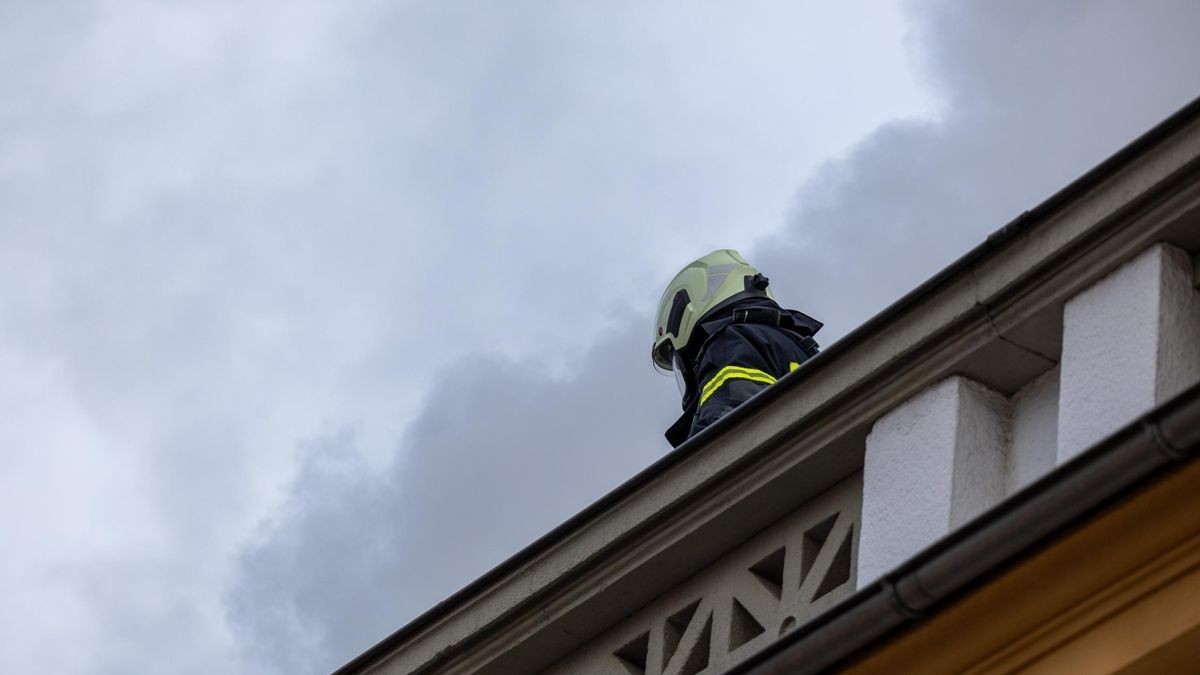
995 474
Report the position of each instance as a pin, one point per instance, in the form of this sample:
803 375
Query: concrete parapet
765 587
932 463
1033 434
1129 342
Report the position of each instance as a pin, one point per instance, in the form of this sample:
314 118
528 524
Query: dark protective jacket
744 349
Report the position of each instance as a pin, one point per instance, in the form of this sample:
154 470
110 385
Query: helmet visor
681 378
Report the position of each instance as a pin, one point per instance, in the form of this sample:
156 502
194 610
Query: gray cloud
230 226
501 454
1033 96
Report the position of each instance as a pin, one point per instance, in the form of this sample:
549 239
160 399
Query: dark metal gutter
1163 440
826 359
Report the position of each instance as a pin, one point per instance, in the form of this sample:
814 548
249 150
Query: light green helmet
719 278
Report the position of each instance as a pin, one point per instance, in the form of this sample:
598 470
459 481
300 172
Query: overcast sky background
312 312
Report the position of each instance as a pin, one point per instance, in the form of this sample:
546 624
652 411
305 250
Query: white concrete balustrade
1130 341
790 572
931 463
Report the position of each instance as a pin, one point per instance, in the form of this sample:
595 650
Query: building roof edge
1164 439
1179 120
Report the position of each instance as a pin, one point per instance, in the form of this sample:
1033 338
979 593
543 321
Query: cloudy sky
312 311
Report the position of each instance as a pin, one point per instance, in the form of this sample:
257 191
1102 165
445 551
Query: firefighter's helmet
700 289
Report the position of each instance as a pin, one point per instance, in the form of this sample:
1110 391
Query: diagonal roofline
832 355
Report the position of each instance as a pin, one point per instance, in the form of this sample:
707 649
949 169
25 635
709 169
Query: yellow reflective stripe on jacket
733 373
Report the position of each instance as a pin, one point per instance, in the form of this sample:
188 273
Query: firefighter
721 332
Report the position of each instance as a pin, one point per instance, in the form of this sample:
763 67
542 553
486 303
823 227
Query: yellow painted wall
1120 594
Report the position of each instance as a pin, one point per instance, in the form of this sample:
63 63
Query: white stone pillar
1033 431
1130 341
932 463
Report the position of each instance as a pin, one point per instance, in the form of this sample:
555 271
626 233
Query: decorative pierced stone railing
787 573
